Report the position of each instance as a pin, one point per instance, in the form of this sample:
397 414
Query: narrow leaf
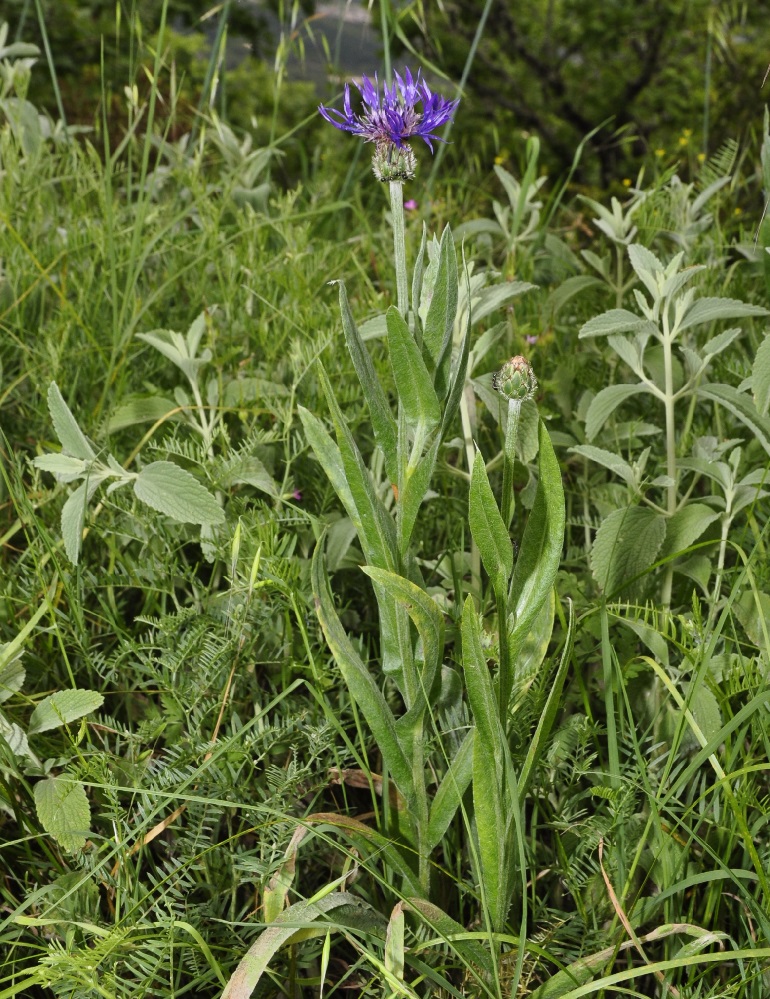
63 707
615 321
359 680
150 409
175 492
488 529
413 382
609 460
330 458
72 438
439 321
706 310
760 377
383 424
450 792
742 406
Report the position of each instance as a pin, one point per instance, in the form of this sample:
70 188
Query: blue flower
391 118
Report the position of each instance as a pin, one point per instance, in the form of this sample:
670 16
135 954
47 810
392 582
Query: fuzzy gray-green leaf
72 438
413 382
627 543
175 492
63 707
760 377
488 529
63 810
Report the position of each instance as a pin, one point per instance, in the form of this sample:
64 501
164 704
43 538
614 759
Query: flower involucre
389 119
515 380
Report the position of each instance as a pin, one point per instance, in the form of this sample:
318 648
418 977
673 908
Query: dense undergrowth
185 757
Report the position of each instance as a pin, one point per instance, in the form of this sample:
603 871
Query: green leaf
552 705
428 620
11 673
541 546
63 810
706 310
604 404
418 479
567 290
254 963
615 321
450 792
247 469
627 543
175 492
705 710
739 405
383 424
329 455
150 409
721 342
63 707
646 265
440 318
760 377
14 737
64 467
394 943
413 382
753 611
609 460
72 438
685 527
472 951
73 516
359 680
488 529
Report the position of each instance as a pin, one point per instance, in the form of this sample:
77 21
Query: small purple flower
411 205
391 118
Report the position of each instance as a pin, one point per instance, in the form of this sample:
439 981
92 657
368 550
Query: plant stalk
399 244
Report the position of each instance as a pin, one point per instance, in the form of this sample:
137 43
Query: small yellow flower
738 211
683 140
501 157
687 132
660 152
701 157
626 182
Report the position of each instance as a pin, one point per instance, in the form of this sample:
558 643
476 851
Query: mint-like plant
669 348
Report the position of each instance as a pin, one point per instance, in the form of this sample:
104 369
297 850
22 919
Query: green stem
671 470
399 244
509 459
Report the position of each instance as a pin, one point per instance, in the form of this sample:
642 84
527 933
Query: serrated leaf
604 404
706 310
615 321
753 611
628 351
71 437
609 460
14 737
488 529
73 517
685 527
247 469
63 810
627 543
760 377
646 265
63 466
175 492
721 342
63 707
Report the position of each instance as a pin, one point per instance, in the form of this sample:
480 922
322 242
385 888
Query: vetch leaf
72 438
604 404
175 492
627 543
488 529
63 810
63 707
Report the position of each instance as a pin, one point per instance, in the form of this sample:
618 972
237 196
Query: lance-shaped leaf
488 529
416 485
359 681
428 620
175 492
413 382
540 553
706 310
72 438
450 792
330 458
492 776
626 544
377 532
457 377
457 936
760 377
383 424
615 321
440 320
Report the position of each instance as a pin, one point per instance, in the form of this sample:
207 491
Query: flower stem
671 469
509 459
399 244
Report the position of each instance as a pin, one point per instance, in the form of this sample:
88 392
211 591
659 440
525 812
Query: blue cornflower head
405 110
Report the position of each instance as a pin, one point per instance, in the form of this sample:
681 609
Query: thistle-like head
515 380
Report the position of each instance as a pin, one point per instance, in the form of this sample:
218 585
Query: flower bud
391 162
515 380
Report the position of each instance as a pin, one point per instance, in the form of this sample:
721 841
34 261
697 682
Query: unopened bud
516 379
